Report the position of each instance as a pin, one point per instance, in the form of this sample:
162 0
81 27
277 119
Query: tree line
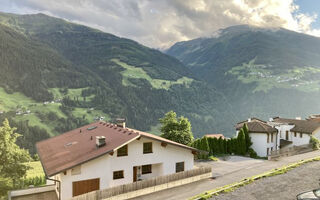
240 145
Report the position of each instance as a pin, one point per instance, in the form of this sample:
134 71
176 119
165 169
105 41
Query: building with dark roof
102 155
263 136
279 133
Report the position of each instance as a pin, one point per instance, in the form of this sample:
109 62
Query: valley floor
230 171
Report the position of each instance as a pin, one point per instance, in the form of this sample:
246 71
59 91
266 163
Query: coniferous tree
221 145
247 136
211 146
215 146
225 147
241 143
204 147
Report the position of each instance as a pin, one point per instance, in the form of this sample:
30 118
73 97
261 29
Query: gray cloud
159 24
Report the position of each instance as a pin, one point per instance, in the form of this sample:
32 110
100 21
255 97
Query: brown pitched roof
257 127
252 120
305 126
215 136
75 147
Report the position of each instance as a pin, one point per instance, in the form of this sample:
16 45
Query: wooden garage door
81 187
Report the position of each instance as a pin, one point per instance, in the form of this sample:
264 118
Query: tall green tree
247 136
12 156
241 143
176 129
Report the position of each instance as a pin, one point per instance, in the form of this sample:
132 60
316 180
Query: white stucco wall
296 141
316 133
163 158
282 131
260 145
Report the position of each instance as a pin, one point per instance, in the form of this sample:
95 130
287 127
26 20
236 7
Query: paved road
226 172
285 187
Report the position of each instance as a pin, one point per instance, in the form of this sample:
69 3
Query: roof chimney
100 141
121 122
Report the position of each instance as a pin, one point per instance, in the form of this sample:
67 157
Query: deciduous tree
12 157
176 129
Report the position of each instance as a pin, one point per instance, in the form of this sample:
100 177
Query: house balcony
285 143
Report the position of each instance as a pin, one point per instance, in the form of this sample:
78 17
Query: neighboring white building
83 161
263 136
279 133
296 132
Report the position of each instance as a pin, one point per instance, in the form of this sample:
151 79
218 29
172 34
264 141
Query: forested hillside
56 76
262 72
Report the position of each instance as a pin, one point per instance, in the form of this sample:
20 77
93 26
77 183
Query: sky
161 23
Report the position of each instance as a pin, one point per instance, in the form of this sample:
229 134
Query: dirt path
285 186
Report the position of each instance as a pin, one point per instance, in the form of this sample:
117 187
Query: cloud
160 24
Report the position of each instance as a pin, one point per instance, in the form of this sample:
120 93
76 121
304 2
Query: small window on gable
147 147
76 170
146 169
123 151
118 174
179 167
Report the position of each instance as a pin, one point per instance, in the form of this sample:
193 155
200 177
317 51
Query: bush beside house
315 143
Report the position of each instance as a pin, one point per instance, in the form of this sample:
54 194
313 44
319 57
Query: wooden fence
122 189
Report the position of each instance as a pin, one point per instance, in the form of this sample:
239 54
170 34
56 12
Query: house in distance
279 133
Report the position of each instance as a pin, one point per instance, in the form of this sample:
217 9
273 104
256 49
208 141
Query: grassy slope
35 170
265 79
15 101
138 73
11 101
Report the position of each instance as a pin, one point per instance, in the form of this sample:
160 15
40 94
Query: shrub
315 143
213 158
203 145
35 181
252 153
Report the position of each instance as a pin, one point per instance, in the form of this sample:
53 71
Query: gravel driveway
285 186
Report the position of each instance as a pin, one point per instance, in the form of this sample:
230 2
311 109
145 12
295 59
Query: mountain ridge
262 73
91 73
